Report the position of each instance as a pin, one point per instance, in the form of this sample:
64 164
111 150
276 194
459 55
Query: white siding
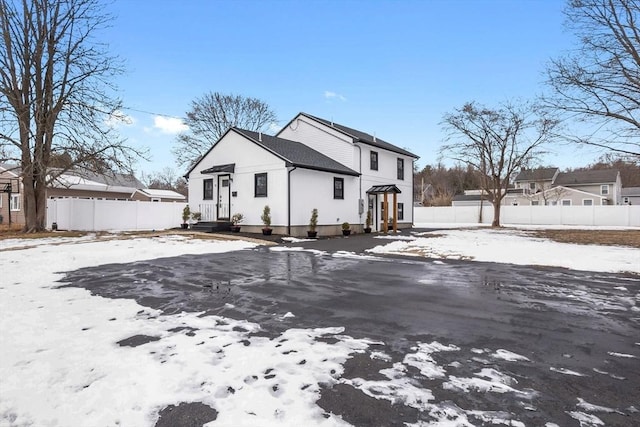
313 189
387 175
249 159
321 138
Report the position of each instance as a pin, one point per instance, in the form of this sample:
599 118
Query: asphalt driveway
528 345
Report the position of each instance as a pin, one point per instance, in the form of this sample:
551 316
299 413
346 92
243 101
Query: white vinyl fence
622 216
113 215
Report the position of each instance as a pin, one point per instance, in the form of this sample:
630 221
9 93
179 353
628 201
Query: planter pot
312 234
266 231
185 226
367 230
346 232
235 228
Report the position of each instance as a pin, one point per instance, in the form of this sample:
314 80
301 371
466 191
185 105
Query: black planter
312 234
367 230
346 232
235 228
266 231
185 226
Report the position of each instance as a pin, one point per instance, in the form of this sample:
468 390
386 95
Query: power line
152 113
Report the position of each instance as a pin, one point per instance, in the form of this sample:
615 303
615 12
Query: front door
224 197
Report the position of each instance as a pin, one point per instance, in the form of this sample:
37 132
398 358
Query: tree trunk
496 214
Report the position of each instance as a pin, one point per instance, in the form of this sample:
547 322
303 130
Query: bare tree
55 86
496 143
600 81
210 117
166 179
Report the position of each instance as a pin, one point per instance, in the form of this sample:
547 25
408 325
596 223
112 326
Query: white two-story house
311 163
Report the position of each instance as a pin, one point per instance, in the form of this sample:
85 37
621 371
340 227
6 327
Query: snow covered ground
509 245
61 364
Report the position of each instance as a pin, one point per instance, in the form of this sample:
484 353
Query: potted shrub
186 214
346 229
235 220
367 228
266 220
313 223
196 216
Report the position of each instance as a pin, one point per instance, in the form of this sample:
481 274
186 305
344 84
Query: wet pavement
579 331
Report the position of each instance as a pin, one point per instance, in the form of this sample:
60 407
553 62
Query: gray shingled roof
109 178
631 191
363 137
297 154
602 176
539 174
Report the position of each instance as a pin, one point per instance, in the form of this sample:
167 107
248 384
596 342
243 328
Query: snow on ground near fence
511 246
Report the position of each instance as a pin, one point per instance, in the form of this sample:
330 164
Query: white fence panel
622 216
111 215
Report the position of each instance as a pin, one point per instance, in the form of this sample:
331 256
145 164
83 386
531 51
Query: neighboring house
470 198
11 205
73 185
310 163
154 195
631 195
94 186
551 187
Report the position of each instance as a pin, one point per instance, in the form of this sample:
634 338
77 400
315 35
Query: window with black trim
400 211
207 189
401 169
338 188
260 185
373 164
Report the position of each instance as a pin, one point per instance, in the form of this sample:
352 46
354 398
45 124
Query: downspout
289 200
365 206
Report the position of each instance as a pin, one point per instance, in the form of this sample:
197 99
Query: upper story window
532 186
535 202
373 161
587 202
207 189
604 189
14 203
566 202
401 169
338 188
260 181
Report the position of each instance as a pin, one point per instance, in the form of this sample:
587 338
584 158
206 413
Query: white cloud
274 127
332 95
119 118
169 124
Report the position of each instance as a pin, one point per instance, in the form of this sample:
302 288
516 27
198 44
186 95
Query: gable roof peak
357 135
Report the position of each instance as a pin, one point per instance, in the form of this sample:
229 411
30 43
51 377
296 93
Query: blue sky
392 68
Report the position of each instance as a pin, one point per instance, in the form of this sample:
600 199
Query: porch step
211 226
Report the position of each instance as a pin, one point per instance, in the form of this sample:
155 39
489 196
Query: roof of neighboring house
601 176
561 190
88 181
163 194
631 191
540 174
363 137
84 180
296 153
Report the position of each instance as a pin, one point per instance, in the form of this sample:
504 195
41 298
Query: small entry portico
222 182
373 194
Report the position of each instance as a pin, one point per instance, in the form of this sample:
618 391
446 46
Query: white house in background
631 195
311 163
156 195
551 187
